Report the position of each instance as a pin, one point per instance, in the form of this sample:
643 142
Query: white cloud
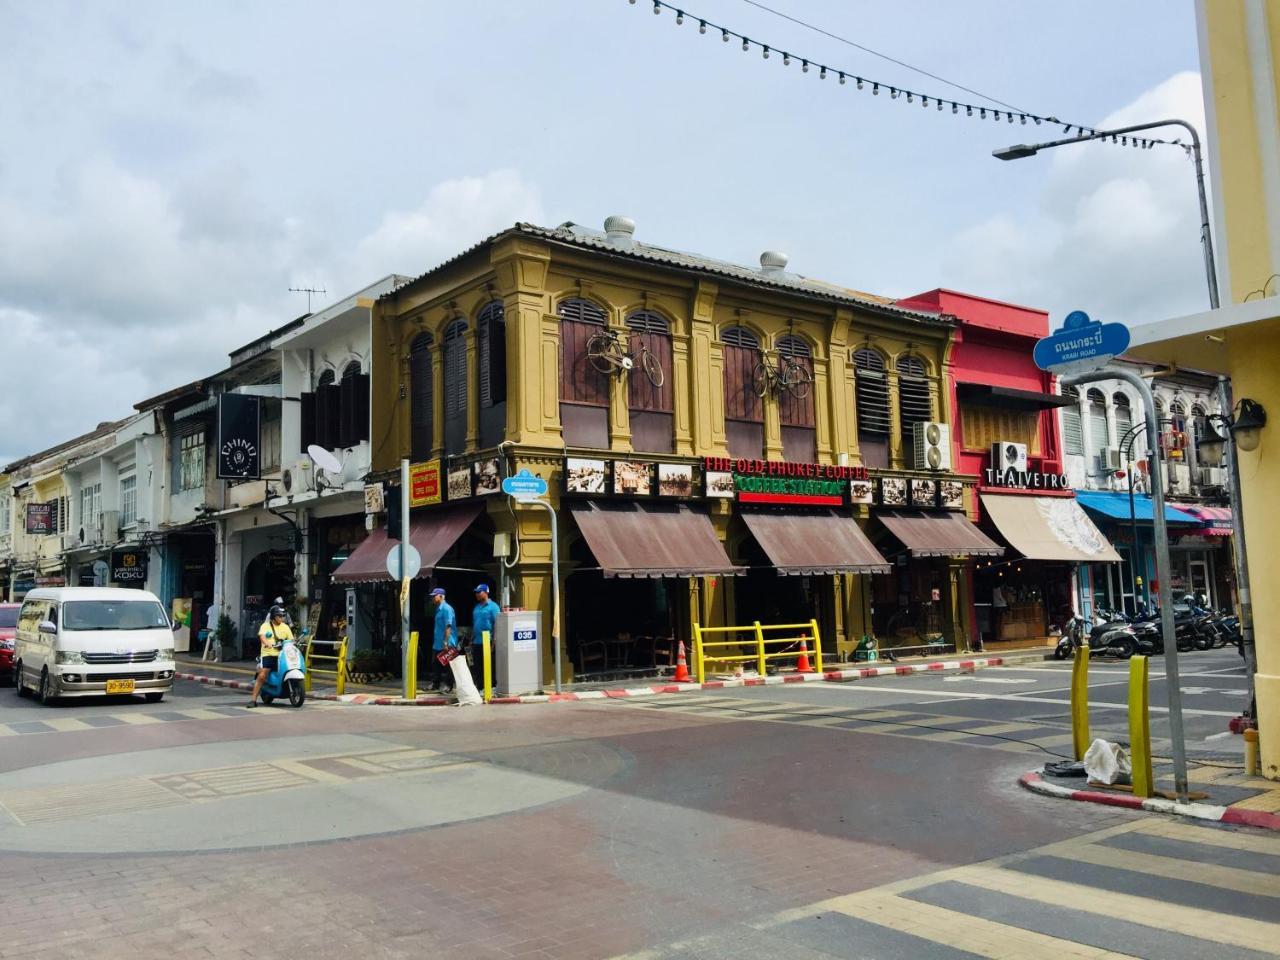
1116 232
123 287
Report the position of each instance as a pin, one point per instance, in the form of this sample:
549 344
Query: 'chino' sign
239 437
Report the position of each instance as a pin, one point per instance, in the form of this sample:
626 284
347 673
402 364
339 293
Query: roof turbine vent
620 231
773 263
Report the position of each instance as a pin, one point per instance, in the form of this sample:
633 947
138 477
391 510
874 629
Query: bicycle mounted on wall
607 355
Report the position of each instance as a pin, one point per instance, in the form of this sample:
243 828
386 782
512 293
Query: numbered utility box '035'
517 652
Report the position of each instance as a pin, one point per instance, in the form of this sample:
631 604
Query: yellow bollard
1251 752
697 653
411 668
1140 728
817 646
760 660
488 666
1080 701
340 682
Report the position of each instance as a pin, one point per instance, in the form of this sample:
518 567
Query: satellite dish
325 460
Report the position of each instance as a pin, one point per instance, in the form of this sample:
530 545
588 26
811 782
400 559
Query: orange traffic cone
682 668
802 661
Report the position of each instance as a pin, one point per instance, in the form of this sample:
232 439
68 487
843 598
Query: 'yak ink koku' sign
1081 345
780 482
239 437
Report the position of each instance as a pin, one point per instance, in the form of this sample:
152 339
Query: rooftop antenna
308 291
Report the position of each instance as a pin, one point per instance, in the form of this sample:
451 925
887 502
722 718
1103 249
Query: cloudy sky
169 170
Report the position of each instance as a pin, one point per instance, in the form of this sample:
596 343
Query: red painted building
1005 433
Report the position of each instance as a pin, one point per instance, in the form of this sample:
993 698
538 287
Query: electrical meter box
517 652
357 629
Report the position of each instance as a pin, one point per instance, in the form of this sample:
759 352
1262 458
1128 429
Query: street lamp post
1020 151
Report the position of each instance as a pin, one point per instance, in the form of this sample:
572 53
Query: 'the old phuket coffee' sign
780 482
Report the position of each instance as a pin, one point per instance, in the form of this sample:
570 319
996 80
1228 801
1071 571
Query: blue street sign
524 484
1081 345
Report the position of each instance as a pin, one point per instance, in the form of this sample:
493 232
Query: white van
93 641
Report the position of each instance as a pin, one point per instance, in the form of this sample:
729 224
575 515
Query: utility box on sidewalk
517 652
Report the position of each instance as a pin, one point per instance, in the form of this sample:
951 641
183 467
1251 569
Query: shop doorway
764 594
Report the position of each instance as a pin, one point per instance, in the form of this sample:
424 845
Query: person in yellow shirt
271 635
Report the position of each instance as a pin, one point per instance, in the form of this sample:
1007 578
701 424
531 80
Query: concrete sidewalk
239 676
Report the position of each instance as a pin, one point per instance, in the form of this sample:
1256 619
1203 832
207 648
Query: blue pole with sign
524 487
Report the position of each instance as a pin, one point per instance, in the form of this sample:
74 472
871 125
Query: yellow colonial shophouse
722 445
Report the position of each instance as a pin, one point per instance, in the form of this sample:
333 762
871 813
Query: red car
8 627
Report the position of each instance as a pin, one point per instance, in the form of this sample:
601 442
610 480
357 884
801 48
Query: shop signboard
239 437
22 585
1081 345
782 482
424 483
129 567
54 581
375 498
39 518
1026 479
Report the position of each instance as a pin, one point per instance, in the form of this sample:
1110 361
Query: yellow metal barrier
1140 728
1080 701
754 637
488 665
339 660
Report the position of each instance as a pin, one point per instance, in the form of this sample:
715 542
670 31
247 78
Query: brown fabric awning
431 534
939 534
1048 528
815 543
651 540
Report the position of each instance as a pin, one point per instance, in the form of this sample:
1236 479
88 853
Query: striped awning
1215 521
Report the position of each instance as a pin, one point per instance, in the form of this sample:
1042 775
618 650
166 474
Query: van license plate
119 686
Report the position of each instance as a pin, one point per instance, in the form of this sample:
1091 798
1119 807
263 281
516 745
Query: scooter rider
271 635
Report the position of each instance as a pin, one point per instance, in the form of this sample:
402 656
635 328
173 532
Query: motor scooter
288 679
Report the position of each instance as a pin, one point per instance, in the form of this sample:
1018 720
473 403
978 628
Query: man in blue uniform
445 635
483 618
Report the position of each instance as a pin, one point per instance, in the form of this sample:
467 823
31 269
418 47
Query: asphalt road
811 821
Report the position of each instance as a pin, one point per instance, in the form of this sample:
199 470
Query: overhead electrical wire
877 53
895 91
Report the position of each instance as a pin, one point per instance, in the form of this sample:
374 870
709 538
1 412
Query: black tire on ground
1062 651
22 691
43 695
1122 648
297 693
266 698
154 697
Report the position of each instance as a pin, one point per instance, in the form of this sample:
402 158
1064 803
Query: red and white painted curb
829 676
1200 811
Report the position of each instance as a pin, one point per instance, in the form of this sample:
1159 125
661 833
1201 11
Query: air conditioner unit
109 527
70 541
299 478
1213 477
1180 477
1006 455
933 446
1110 460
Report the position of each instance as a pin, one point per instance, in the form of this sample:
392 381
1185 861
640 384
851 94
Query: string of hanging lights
896 92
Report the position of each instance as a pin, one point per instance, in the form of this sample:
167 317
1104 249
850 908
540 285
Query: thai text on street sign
524 484
1081 345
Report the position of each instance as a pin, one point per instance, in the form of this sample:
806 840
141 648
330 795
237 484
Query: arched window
915 404
1099 439
799 426
651 406
1201 430
1072 429
1178 414
455 388
871 389
584 390
421 398
1124 421
354 418
491 350
743 407
328 411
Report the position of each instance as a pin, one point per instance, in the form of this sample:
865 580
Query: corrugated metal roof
576 235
